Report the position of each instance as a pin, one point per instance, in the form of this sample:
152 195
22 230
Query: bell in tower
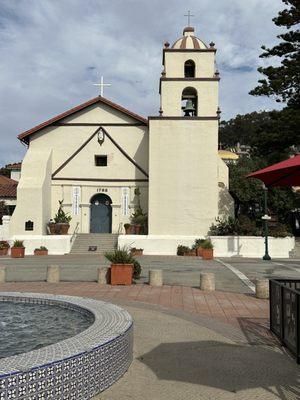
189 102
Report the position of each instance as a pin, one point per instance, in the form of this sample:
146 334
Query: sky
52 51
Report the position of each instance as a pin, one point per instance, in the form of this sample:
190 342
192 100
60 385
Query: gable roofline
24 136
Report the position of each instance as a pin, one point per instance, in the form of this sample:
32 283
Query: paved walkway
224 306
190 344
183 271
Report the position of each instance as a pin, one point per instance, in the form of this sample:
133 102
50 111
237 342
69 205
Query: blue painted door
101 215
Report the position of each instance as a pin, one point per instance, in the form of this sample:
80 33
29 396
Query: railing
74 233
285 313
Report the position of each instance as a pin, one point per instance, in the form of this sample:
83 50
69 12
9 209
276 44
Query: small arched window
189 69
189 102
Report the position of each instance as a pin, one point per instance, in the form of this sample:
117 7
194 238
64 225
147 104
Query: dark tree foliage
271 135
248 193
4 171
283 81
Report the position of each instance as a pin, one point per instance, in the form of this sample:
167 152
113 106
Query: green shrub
137 269
119 256
62 217
41 248
207 244
247 226
182 249
18 243
123 256
224 227
280 230
198 243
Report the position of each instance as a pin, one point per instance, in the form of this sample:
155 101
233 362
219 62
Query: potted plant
61 223
136 252
4 246
17 250
198 246
139 222
121 267
41 251
190 252
207 250
127 229
182 250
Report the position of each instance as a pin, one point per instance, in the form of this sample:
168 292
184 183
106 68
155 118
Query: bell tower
183 141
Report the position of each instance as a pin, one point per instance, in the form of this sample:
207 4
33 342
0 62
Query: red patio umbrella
284 173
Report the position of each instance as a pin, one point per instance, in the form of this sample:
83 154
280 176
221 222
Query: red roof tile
24 136
8 187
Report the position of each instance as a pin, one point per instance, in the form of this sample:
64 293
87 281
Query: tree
248 193
4 171
282 81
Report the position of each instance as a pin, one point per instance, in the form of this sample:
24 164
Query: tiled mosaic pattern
76 368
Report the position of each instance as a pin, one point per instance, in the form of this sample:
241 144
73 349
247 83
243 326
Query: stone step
104 243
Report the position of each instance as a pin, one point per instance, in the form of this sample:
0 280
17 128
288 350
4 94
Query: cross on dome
189 15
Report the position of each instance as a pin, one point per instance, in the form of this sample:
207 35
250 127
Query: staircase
295 253
103 241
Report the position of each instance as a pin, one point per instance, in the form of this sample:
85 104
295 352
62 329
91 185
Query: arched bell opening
189 69
189 102
100 214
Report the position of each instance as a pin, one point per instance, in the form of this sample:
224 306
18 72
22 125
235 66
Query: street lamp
266 218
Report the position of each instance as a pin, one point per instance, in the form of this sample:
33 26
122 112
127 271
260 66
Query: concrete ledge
224 246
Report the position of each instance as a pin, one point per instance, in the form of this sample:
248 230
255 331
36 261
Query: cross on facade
189 15
101 84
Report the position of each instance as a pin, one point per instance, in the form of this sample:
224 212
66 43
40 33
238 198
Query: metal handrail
74 233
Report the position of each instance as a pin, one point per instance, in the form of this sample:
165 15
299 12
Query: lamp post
266 218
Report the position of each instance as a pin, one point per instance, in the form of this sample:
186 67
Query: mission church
95 155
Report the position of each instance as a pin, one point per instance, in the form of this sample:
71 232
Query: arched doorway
101 214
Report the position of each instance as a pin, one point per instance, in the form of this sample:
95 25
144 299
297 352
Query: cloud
52 51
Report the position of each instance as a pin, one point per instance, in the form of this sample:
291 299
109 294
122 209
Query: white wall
251 246
224 246
33 193
56 244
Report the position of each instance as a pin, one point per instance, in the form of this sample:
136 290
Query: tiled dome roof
189 40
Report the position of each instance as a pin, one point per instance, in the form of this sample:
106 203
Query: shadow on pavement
226 366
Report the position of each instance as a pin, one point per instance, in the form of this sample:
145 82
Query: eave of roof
14 166
24 136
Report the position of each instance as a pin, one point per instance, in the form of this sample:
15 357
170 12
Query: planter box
199 251
136 252
3 252
40 252
59 228
17 252
121 274
190 253
207 254
127 230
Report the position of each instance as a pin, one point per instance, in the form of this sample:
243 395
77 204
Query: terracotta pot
137 229
127 230
17 252
199 251
63 228
191 253
121 274
3 252
52 228
207 254
136 252
40 252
